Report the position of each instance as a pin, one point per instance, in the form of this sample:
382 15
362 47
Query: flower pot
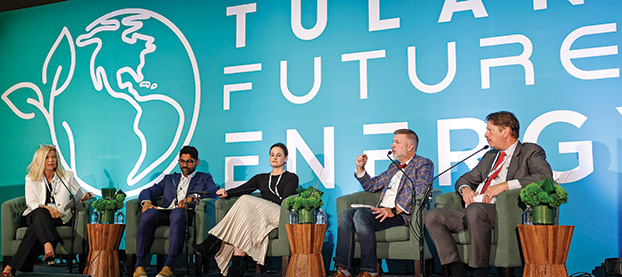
106 217
543 215
305 216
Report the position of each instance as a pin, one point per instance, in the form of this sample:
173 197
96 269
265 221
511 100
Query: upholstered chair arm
205 218
362 197
509 216
450 200
11 216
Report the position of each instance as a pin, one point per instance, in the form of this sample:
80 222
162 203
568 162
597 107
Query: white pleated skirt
246 226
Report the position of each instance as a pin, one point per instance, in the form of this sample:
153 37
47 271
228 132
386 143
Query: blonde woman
47 201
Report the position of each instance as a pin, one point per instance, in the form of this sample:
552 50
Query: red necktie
494 174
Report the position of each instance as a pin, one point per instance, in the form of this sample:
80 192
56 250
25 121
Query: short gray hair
411 135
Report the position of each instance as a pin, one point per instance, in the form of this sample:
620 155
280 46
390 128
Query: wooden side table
306 242
545 248
104 240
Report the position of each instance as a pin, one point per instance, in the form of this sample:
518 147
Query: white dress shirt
182 189
388 200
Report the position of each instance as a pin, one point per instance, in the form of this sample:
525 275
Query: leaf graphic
64 34
35 102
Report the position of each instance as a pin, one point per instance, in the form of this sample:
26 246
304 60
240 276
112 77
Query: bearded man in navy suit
174 190
394 208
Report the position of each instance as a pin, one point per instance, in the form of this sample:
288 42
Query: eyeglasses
47 145
188 162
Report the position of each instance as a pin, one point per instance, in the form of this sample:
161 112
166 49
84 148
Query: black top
287 186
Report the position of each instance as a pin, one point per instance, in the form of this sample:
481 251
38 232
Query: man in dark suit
174 190
510 165
394 208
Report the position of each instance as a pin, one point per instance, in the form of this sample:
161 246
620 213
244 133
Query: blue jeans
365 224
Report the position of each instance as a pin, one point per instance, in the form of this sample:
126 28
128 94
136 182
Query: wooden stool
545 248
306 242
104 240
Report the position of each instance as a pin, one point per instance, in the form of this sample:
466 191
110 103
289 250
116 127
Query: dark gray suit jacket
528 165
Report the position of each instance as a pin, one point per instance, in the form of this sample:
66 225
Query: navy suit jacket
167 188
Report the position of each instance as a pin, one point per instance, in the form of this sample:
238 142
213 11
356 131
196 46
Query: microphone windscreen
390 152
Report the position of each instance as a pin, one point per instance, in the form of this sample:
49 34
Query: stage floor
62 270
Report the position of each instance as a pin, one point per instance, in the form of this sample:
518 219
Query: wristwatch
461 188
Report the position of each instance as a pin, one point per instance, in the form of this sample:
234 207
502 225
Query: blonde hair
36 167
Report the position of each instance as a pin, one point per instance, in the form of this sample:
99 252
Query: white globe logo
127 83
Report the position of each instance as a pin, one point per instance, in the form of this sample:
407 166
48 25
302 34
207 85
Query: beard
186 171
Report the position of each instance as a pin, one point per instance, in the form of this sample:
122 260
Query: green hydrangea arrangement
546 192
308 199
111 200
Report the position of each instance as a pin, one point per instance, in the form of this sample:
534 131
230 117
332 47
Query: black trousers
41 229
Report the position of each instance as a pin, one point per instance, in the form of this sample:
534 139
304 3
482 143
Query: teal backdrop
120 86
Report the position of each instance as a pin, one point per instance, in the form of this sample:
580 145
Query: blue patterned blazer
419 169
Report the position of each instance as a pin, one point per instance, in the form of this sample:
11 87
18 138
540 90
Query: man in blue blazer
393 209
174 190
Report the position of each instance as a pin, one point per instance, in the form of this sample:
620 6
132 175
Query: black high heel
209 247
238 267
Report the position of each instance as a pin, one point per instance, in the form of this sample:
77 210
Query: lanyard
49 187
276 186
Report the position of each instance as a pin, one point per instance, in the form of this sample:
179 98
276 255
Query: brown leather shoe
364 274
140 272
166 272
338 273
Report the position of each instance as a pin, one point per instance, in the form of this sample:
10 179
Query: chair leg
70 263
285 264
417 268
81 262
198 265
429 267
505 271
445 270
131 263
160 259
